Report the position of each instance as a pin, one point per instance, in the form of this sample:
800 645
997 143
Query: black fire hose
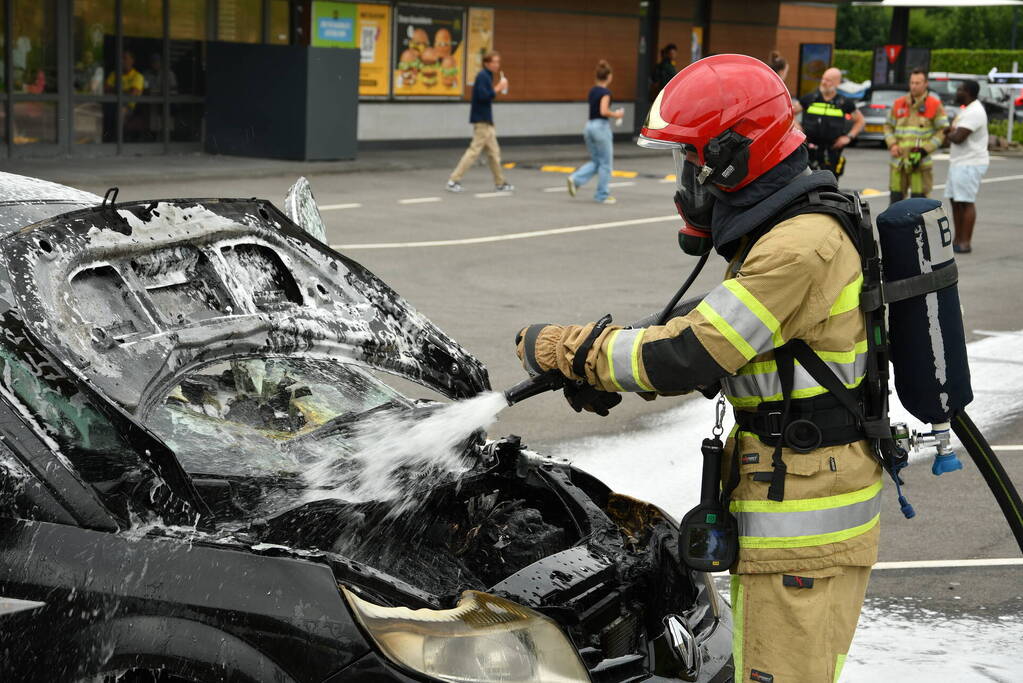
994 474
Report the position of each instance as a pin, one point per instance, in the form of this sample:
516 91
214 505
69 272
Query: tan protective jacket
801 280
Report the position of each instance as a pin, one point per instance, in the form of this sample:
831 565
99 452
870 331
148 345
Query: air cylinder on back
927 341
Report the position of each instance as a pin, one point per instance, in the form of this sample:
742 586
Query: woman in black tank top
598 137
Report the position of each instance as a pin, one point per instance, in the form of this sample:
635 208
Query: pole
1012 104
899 35
649 21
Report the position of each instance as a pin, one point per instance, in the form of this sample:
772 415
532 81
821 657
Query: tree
967 28
861 28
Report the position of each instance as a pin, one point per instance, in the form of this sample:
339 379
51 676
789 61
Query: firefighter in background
915 128
807 514
831 121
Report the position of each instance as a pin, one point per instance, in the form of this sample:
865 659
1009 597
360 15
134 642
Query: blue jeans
599 144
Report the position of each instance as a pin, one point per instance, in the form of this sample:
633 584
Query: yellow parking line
509 164
670 178
624 174
557 169
869 192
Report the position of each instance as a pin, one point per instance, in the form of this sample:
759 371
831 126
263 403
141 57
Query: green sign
334 24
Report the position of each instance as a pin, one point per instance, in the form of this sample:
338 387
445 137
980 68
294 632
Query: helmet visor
695 201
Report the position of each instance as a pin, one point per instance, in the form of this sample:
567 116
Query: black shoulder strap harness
869 406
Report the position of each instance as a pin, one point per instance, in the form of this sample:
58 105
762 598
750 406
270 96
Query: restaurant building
62 92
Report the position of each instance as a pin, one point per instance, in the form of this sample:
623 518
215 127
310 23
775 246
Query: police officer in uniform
808 523
831 121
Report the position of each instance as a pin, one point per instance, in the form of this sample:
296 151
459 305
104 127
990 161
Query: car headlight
483 639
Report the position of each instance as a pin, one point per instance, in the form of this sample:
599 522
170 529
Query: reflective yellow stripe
839 665
753 401
848 298
824 109
726 330
756 308
737 598
806 541
844 356
635 361
610 359
807 504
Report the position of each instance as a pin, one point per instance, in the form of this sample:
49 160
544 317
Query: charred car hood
130 296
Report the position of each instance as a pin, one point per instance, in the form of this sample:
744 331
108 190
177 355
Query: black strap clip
579 361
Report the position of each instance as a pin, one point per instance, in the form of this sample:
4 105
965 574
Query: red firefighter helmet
733 111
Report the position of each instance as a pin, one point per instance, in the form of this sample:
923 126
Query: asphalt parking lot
482 265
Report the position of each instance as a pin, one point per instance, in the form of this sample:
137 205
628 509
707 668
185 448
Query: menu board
364 26
429 54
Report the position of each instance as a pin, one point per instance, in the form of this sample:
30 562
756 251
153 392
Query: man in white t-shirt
968 162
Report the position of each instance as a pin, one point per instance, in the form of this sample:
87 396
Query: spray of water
395 457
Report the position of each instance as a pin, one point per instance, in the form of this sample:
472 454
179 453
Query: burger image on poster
418 39
409 67
448 72
442 42
428 67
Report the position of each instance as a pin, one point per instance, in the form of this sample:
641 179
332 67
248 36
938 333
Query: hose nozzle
537 384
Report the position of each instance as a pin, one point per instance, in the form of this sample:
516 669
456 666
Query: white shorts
963 182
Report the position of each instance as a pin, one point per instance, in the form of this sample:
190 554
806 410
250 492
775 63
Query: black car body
149 353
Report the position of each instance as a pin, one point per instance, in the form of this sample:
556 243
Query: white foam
394 457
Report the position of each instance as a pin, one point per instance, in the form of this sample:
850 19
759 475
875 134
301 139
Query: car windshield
885 97
239 417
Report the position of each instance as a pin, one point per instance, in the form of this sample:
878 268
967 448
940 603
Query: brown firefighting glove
535 346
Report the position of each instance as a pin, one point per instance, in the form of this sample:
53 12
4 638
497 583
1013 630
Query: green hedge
1002 128
858 64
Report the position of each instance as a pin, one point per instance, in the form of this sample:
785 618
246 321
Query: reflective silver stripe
768 384
808 522
621 359
746 324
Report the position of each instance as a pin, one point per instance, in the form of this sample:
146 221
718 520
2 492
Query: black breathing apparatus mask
726 164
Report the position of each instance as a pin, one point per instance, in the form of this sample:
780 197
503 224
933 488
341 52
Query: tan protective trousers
795 628
484 137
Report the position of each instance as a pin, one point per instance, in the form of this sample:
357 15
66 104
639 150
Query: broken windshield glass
235 418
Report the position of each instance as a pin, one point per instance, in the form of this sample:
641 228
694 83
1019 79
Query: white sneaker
608 200
571 186
453 186
504 187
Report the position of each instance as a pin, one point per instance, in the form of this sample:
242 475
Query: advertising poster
814 58
365 27
479 40
429 51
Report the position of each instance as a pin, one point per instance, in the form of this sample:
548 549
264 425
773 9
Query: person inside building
807 514
778 64
599 138
484 135
913 130
968 161
831 121
665 69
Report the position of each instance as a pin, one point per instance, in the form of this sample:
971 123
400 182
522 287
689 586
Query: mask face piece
695 204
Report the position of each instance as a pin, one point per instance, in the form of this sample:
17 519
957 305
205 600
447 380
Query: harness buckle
773 423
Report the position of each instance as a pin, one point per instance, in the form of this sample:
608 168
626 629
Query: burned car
169 370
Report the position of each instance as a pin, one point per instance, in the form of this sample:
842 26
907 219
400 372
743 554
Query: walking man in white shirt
968 163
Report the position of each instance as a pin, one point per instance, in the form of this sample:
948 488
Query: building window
34 46
240 21
280 22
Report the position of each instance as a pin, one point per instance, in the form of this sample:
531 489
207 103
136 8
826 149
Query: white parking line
934 564
562 188
1008 447
337 207
419 200
510 236
487 195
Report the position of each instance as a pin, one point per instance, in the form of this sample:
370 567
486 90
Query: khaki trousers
484 137
796 629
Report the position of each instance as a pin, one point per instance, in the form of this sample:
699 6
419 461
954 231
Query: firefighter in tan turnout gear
803 490
913 131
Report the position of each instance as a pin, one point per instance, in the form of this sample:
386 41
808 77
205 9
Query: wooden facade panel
745 12
678 9
551 56
678 32
806 16
755 41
